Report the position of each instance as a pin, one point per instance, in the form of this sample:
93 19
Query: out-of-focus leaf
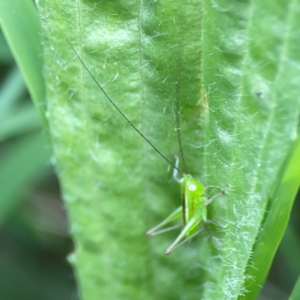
21 28
296 291
5 54
20 121
21 165
10 91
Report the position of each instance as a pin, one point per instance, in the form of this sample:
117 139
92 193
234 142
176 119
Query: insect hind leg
177 214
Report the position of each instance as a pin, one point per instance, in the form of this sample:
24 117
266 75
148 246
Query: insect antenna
177 118
120 112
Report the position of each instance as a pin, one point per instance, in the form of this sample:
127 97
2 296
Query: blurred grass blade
20 121
5 53
21 28
296 291
10 92
21 165
289 249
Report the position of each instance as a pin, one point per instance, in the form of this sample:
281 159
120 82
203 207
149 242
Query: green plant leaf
239 118
296 291
253 94
21 121
21 165
11 90
277 216
5 54
289 249
15 118
21 28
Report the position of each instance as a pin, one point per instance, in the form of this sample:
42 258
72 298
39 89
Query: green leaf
253 94
16 173
5 54
240 111
11 90
21 121
15 118
296 291
289 248
21 28
277 216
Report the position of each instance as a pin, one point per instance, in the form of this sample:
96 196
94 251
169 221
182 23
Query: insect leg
172 217
182 234
185 240
213 198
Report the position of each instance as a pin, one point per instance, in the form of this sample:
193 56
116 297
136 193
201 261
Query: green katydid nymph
193 210
194 204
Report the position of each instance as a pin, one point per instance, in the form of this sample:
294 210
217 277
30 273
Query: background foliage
248 72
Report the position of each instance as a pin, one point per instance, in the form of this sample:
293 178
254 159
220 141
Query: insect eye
192 187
